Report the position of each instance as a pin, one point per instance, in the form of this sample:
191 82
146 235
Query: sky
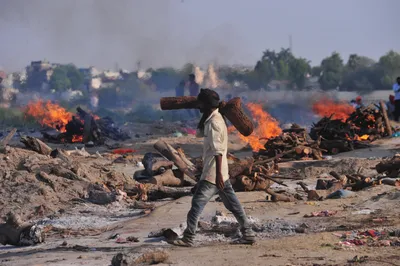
120 33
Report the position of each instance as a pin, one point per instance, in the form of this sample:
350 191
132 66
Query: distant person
396 89
194 90
390 107
359 102
180 89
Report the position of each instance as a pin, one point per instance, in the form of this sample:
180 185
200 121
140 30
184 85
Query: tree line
357 73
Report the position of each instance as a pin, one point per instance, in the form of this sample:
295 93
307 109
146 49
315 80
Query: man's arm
218 150
396 87
219 180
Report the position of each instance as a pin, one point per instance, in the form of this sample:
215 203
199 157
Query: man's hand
219 181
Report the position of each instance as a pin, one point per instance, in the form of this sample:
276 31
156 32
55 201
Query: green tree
59 80
74 75
332 69
390 65
360 74
299 68
65 77
282 66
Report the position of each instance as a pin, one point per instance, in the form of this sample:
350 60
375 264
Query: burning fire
49 114
267 127
327 107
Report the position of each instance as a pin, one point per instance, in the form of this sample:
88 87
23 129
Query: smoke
212 77
199 74
107 34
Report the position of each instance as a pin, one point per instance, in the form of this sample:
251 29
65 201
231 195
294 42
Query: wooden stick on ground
36 145
388 126
171 154
4 142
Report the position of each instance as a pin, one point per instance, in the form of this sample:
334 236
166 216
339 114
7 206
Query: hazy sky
172 32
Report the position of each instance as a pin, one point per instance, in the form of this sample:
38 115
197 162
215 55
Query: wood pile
363 126
390 167
292 144
85 128
245 174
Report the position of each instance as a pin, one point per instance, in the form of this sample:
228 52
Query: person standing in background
180 89
396 89
390 107
194 90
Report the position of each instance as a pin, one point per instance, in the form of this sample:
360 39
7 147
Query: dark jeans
396 110
205 191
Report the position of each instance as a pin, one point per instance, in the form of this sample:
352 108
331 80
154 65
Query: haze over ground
173 32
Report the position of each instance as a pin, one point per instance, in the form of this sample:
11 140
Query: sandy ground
278 246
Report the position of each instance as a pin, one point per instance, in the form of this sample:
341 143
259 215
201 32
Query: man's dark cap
209 98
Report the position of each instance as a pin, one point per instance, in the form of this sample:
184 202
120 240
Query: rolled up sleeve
216 139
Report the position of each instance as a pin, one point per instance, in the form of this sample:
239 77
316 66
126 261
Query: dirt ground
278 243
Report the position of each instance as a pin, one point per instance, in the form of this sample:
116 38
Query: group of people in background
392 105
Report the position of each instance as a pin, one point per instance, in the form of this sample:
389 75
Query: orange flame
327 107
267 127
49 114
77 138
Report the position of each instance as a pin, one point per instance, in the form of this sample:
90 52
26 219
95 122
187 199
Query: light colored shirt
396 89
215 143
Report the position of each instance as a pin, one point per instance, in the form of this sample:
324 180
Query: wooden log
388 126
275 197
87 129
58 170
136 258
232 110
240 168
176 103
391 182
275 157
302 150
388 166
4 142
335 146
273 179
36 145
171 154
17 233
162 192
165 179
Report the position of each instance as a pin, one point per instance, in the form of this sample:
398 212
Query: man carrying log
215 177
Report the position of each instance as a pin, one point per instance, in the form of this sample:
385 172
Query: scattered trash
341 193
366 212
123 151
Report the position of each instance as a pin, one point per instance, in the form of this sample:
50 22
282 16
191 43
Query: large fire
49 114
327 107
266 127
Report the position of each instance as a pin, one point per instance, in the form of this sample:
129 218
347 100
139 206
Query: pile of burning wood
292 144
83 127
361 127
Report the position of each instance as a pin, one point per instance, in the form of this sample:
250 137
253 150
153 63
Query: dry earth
91 225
